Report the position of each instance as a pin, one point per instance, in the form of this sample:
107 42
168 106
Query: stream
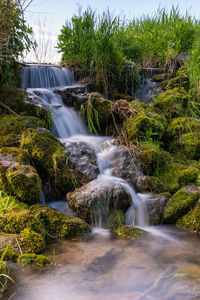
164 264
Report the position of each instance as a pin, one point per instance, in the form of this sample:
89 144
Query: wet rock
98 198
36 261
156 205
129 233
83 156
145 184
69 93
17 176
126 166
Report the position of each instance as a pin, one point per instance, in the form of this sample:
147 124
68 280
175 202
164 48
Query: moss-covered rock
8 203
188 176
116 219
172 103
181 80
129 233
146 184
58 224
51 161
11 124
31 241
17 177
191 220
10 140
183 135
17 220
181 203
143 124
36 261
159 77
9 254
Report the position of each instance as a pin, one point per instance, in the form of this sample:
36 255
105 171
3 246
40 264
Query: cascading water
68 126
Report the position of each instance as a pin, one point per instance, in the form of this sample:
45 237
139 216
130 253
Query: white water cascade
68 126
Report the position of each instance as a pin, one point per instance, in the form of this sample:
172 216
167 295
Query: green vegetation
36 261
128 233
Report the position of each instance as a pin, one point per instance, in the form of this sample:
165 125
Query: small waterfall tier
46 76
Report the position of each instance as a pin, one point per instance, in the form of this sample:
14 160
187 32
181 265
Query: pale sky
56 12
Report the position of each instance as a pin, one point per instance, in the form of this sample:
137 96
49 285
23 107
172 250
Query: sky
56 12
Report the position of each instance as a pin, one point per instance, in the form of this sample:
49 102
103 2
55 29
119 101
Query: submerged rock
180 204
98 198
17 177
83 157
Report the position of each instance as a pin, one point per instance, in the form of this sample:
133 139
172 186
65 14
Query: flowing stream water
164 265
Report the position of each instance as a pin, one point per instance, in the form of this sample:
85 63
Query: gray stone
155 206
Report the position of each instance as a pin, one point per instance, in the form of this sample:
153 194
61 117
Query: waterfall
45 76
67 125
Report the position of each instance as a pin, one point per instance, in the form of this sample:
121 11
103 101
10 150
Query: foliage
14 40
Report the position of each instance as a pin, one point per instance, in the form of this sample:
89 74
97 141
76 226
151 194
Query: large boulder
155 206
146 184
181 203
83 157
17 176
98 198
51 160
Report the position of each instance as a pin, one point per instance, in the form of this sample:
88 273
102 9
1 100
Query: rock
69 93
145 184
156 205
150 72
180 204
129 233
99 197
17 177
9 240
116 219
52 162
83 157
58 224
31 241
125 166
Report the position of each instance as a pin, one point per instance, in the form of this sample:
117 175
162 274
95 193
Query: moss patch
172 103
116 219
31 241
3 271
191 220
36 261
181 203
9 254
58 224
129 233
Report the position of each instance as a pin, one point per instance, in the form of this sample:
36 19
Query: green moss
31 241
137 127
181 203
146 184
17 177
181 80
3 272
50 159
8 254
36 261
188 176
17 220
172 103
7 203
10 124
129 233
191 220
58 224
159 77
116 219
10 140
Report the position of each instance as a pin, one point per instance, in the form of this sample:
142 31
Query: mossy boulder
183 135
11 124
172 103
51 161
9 254
8 203
17 220
36 261
116 219
17 177
191 220
146 184
181 80
31 241
129 233
181 203
10 140
58 225
143 124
